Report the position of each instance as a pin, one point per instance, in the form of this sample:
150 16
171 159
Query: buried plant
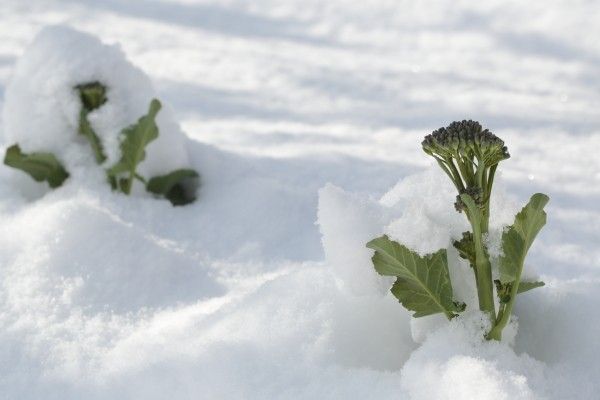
469 155
177 186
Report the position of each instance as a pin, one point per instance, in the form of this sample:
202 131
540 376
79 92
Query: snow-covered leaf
40 166
177 186
423 283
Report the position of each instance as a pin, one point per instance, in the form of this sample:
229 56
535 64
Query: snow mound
42 106
93 258
455 362
348 222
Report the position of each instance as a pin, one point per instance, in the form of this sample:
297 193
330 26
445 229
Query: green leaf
526 286
423 283
40 166
133 146
517 239
177 186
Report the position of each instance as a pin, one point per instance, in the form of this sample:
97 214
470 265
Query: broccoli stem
483 268
458 181
442 165
490 182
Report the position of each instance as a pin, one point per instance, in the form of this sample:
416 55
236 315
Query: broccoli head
469 155
466 139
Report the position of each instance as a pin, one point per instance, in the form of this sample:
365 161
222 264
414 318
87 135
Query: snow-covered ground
256 290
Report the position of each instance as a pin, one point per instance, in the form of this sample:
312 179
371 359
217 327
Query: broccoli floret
469 155
466 139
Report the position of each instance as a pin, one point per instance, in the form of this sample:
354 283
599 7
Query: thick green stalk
485 288
483 267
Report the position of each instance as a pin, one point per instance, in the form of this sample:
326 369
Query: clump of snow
41 108
464 366
347 222
424 219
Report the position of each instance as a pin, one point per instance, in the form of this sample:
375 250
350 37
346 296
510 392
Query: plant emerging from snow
469 155
43 166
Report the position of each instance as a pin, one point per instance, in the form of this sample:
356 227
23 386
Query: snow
304 119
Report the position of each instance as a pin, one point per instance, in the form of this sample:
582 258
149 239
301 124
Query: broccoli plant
469 155
177 186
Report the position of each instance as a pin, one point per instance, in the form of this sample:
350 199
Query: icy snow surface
304 118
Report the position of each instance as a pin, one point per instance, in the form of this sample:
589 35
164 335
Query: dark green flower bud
503 291
92 95
475 193
466 247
